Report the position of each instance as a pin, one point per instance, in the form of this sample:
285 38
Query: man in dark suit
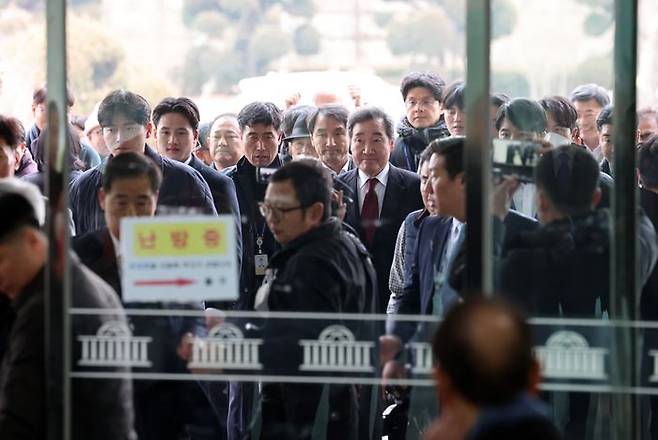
259 124
433 282
176 123
383 194
163 410
125 119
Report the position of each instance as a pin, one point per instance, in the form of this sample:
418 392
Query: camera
515 158
263 174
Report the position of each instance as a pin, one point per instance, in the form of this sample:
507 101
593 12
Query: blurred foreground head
483 352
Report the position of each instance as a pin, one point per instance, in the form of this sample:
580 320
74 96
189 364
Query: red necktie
370 211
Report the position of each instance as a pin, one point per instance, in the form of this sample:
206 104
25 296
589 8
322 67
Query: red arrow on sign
179 282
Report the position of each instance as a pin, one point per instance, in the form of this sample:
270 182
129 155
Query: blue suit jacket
402 196
419 277
430 244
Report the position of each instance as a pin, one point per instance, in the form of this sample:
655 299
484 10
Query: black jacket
562 268
402 196
101 409
250 192
224 196
412 141
181 187
326 270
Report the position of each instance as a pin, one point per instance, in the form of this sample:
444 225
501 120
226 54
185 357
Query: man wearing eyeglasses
423 121
320 269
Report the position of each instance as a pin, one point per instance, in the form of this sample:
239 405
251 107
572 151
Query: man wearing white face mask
125 120
522 119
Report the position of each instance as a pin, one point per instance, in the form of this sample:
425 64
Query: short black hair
290 117
570 190
498 99
131 105
561 110
40 96
312 182
477 376
11 131
647 162
260 113
453 95
452 150
183 106
370 113
605 117
131 165
590 91
429 80
22 215
525 114
337 112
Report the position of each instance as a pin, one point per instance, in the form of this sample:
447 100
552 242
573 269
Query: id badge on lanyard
260 259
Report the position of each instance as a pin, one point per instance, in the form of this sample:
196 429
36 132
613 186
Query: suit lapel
393 194
439 240
353 215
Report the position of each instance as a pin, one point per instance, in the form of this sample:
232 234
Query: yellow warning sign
179 239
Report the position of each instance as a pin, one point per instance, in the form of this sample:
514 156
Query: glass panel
175 367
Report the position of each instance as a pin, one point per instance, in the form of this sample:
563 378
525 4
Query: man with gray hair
589 100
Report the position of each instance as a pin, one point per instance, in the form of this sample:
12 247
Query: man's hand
337 197
214 317
502 197
392 371
184 349
389 347
355 94
292 100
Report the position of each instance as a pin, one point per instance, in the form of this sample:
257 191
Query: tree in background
243 38
600 17
437 30
96 61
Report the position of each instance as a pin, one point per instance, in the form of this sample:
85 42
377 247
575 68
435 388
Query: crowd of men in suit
334 213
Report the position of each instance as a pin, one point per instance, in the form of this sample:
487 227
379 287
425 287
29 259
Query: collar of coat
427 134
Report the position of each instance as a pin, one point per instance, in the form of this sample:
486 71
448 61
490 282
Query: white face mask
556 140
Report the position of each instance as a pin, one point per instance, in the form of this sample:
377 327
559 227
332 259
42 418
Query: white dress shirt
380 188
524 199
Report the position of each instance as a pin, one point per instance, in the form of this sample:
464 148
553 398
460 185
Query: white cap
29 191
92 120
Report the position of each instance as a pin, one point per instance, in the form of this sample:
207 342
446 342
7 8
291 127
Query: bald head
485 347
